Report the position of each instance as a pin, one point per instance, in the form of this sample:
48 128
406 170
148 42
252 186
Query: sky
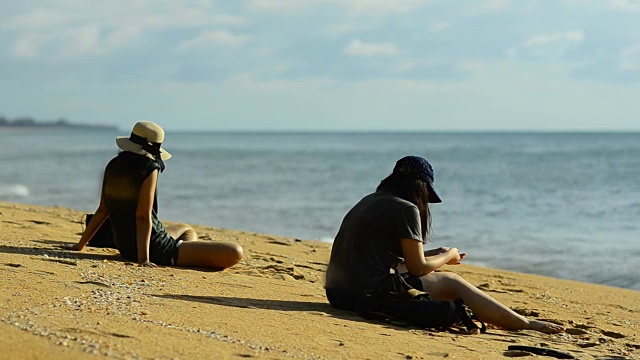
306 65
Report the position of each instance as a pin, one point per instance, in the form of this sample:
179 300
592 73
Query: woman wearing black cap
386 230
128 200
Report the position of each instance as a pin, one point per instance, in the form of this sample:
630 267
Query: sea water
558 204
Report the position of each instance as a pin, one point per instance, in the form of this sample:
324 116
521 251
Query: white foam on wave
13 190
327 239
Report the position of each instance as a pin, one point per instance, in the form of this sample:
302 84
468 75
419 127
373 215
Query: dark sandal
542 351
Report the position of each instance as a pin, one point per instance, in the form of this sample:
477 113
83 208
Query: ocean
565 205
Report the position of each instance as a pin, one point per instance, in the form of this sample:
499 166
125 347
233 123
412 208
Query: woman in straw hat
386 230
129 201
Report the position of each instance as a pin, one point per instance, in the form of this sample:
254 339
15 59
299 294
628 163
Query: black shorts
165 256
413 281
347 299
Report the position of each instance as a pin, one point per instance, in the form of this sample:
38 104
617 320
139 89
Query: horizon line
406 131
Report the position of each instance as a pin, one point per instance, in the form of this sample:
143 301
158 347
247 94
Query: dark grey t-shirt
368 244
123 178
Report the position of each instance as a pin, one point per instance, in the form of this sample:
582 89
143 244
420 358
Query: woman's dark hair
413 190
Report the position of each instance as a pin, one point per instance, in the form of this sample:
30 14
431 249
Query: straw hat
145 139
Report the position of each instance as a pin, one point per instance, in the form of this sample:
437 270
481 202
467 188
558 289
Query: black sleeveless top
123 178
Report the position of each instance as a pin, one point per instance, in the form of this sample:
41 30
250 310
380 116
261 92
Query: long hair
412 190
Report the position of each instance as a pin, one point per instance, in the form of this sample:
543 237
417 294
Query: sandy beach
57 304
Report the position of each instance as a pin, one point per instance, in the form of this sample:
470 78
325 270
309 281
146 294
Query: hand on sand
545 327
147 264
73 247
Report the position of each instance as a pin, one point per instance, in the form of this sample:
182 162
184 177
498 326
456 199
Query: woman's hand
73 247
456 256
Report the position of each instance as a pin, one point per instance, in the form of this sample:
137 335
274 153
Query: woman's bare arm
418 264
143 218
99 217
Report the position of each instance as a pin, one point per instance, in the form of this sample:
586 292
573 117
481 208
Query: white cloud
549 46
405 66
339 29
496 4
279 6
569 36
216 38
28 46
76 28
81 41
122 36
143 14
353 7
439 26
625 5
380 7
630 58
39 19
359 48
70 43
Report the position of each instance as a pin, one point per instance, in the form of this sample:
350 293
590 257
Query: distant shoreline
28 123
53 127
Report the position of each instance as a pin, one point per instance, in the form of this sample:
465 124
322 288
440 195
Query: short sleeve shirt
368 244
123 178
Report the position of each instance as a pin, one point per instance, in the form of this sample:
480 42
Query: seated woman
386 230
129 200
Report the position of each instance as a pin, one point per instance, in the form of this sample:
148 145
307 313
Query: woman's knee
188 233
236 252
443 285
182 232
233 253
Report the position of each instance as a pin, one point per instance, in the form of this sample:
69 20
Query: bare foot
545 327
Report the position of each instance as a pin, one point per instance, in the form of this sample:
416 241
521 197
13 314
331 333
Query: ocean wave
326 239
13 190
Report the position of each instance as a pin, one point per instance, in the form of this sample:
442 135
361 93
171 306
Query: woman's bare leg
182 232
449 286
212 254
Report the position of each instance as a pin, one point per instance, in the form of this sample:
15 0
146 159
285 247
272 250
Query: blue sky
325 64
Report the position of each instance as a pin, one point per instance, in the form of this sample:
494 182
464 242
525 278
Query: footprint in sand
289 271
526 311
250 272
284 277
489 288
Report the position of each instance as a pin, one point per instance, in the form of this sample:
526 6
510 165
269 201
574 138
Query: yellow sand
56 304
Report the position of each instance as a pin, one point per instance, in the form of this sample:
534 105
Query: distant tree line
29 121
26 121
